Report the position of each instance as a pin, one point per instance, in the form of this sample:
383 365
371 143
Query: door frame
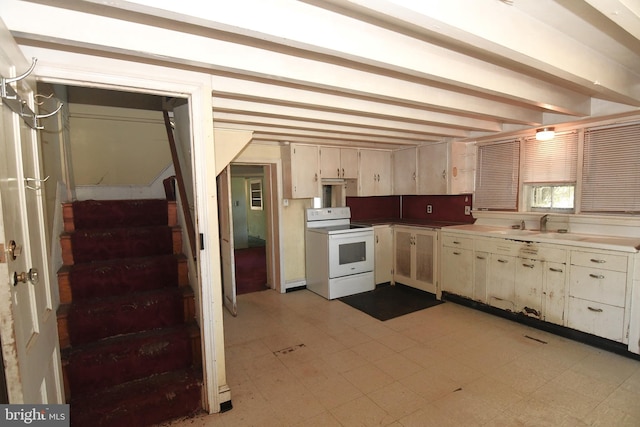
68 68
272 189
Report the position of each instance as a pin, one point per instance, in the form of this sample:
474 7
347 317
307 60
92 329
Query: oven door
350 253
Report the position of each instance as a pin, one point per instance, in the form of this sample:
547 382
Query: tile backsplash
447 208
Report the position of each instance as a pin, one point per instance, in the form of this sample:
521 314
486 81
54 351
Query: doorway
249 208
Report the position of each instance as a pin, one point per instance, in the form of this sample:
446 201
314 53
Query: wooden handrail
191 232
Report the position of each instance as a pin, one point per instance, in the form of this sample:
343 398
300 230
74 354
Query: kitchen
443 95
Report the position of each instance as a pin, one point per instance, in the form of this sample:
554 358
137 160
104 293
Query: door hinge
201 241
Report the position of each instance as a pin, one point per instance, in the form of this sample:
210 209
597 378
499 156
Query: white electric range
339 255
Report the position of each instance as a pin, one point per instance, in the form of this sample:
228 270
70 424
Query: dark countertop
427 223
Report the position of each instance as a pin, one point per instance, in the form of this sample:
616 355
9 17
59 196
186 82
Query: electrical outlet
467 210
429 208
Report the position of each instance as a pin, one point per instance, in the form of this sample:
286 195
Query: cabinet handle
596 276
414 176
376 239
528 265
597 310
556 270
455 243
598 261
480 257
456 253
343 172
338 172
504 261
315 177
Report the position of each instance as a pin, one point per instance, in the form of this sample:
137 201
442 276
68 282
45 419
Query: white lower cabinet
553 292
598 292
383 245
415 257
456 274
480 270
582 288
528 289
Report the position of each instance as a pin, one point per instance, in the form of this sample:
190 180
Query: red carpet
251 270
130 346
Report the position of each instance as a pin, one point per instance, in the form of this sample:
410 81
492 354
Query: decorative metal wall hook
11 99
38 181
37 117
5 81
43 97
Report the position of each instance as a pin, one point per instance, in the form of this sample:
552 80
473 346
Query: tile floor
297 359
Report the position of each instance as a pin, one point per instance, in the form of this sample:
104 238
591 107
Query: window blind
611 169
553 161
497 176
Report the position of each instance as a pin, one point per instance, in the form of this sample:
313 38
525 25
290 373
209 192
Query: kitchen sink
514 232
562 236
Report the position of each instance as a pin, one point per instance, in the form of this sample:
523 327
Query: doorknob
30 276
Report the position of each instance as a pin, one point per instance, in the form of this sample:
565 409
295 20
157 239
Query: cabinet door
553 294
383 250
480 271
403 243
304 171
457 271
330 162
349 163
433 165
501 281
404 171
374 175
528 290
425 260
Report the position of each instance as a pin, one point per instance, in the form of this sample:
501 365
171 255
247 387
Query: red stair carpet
130 345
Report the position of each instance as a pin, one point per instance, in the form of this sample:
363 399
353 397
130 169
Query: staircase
130 347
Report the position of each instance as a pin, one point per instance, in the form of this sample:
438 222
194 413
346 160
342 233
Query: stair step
141 403
85 214
119 277
99 318
126 358
117 243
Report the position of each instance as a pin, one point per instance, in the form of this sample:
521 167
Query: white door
226 241
28 330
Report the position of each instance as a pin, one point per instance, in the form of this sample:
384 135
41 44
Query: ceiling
370 73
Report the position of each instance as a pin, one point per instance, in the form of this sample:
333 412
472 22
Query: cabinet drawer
598 319
500 246
604 286
456 241
598 260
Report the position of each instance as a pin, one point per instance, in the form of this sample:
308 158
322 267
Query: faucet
543 222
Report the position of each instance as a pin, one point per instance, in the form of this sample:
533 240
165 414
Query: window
497 176
549 171
551 197
611 171
255 194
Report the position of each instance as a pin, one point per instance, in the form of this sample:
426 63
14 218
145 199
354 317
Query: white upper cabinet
374 175
433 168
441 168
405 180
301 175
338 163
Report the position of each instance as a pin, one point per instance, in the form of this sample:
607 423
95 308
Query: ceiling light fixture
545 134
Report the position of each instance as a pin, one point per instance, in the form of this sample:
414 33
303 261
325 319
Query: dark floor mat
386 302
